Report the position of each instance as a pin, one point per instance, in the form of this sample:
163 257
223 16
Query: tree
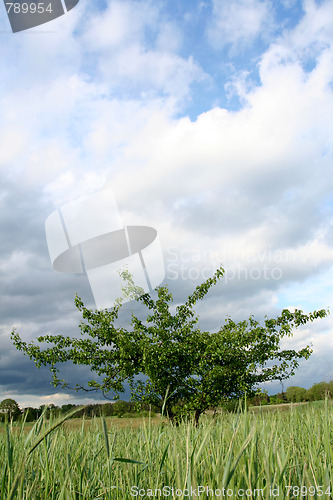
31 414
260 398
295 394
120 407
67 407
318 391
11 408
186 370
108 410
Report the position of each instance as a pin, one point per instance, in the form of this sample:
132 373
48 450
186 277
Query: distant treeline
115 409
120 408
295 394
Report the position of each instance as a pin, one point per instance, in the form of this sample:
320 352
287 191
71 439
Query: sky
211 121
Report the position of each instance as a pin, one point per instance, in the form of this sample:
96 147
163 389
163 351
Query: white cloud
48 161
71 186
239 22
151 72
136 52
122 23
248 169
252 179
315 29
58 399
13 142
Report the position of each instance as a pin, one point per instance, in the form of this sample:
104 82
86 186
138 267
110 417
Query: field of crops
263 455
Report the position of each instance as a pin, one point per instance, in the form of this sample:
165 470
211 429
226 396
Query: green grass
102 460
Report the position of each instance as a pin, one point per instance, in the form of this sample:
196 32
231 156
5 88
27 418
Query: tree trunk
196 417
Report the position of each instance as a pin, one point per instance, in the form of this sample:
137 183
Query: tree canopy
10 408
319 391
185 370
295 394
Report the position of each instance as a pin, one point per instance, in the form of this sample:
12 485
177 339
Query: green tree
318 391
260 398
11 408
52 411
295 394
121 407
67 407
108 410
186 370
31 414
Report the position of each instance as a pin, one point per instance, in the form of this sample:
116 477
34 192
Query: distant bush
319 391
295 394
30 414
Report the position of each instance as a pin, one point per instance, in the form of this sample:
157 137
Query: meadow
261 454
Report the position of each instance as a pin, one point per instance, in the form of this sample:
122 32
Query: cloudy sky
211 121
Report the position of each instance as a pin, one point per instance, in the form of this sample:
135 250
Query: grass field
268 454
